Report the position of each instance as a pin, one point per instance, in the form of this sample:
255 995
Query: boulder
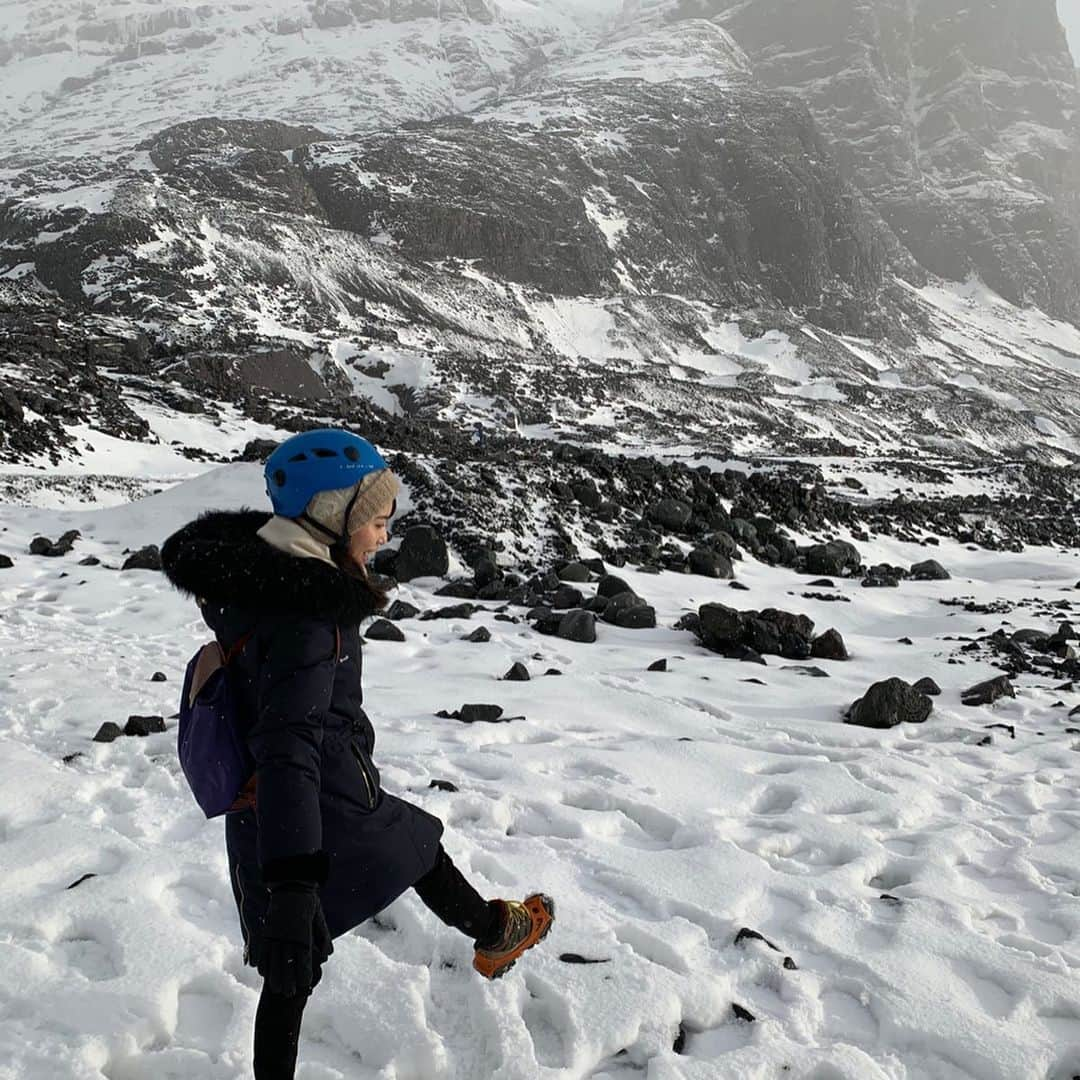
837 558
402 609
616 605
566 596
829 646
108 732
927 686
443 785
986 693
670 513
575 571
518 673
658 665
383 630
6 562
460 590
144 725
423 553
146 558
479 636
889 703
578 625
930 570
610 585
480 714
639 617
718 625
708 563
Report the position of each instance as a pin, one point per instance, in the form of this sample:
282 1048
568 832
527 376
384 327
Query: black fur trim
314 867
218 559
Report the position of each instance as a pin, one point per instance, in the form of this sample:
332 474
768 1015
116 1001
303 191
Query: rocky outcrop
959 119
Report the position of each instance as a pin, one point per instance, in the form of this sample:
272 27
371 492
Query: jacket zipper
364 773
243 921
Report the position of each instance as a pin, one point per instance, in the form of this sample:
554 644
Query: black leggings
444 891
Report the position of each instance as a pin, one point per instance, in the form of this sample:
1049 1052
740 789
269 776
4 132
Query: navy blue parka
321 812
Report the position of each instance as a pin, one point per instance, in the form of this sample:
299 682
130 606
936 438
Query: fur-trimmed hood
219 558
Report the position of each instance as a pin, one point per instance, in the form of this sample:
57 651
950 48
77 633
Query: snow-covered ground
664 811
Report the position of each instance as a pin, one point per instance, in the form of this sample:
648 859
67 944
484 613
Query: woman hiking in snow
323 847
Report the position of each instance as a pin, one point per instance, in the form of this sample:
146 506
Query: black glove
295 941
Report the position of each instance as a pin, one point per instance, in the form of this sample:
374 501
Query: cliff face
960 119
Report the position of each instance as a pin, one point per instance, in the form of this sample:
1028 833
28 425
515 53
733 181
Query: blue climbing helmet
314 461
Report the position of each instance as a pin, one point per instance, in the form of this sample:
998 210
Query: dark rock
679 1045
671 513
822 583
930 570
258 450
423 553
837 558
927 686
78 881
708 563
719 625
454 611
639 617
690 621
658 665
485 571
443 785
574 571
738 585
904 641
402 609
144 725
90 560
986 693
829 646
460 590
746 934
610 586
6 562
159 676
578 625
566 596
479 636
146 558
810 672
553 671
577 958
481 714
744 1015
616 605
1003 727
888 703
518 673
384 630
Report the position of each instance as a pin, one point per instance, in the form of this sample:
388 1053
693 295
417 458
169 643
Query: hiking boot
524 924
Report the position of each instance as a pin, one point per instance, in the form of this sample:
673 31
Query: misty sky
1069 13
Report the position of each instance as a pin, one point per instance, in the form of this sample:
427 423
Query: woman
323 847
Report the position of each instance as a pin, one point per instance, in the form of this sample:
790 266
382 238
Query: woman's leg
277 1034
456 902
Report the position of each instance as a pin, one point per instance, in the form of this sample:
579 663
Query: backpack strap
337 645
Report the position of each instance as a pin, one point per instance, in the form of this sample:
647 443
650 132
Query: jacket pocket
369 778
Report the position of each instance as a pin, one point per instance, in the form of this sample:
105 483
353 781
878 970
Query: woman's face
371 536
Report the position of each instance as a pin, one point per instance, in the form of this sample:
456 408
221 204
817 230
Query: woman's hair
358 571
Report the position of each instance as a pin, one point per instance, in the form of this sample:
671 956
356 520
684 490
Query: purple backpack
213 751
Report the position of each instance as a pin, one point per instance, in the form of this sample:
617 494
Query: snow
776 816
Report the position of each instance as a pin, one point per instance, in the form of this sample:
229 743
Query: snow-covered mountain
561 218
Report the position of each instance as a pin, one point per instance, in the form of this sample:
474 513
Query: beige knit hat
374 493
